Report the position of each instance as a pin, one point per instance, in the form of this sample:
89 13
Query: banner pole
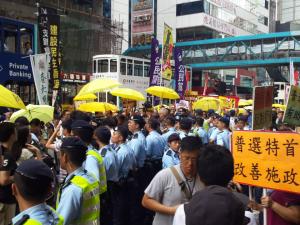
265 210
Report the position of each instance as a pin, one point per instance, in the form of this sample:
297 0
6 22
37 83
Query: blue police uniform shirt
70 202
223 139
213 136
170 158
182 134
166 135
138 145
210 130
155 145
91 164
42 213
110 163
203 135
126 160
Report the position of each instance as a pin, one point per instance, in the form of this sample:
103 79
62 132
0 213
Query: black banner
49 27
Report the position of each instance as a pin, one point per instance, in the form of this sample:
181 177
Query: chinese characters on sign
168 46
262 107
292 113
180 78
267 159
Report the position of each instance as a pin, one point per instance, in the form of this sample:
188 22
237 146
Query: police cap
224 120
35 170
73 143
139 120
173 137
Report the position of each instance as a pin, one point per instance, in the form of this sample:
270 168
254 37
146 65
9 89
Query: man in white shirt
176 185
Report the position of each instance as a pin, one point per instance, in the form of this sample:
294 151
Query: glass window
94 66
123 66
146 69
129 67
189 8
26 41
103 66
138 68
10 38
113 66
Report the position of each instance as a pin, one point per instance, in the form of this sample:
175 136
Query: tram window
138 68
10 39
113 65
123 66
26 41
94 66
146 69
103 66
129 67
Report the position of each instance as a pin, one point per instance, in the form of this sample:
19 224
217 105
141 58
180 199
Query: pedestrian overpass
262 50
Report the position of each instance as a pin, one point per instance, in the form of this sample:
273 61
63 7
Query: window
189 8
103 66
94 66
138 68
26 41
113 66
146 69
10 38
123 66
129 67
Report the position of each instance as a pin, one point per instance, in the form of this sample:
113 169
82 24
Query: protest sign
292 113
267 159
262 107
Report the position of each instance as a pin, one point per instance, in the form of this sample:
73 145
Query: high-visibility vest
102 172
90 205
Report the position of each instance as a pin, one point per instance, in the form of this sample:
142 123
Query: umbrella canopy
128 93
98 85
42 112
10 99
207 103
162 92
97 107
282 107
85 97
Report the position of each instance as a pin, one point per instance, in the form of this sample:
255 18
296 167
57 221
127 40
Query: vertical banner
167 53
292 71
180 78
292 112
49 27
40 68
155 67
262 107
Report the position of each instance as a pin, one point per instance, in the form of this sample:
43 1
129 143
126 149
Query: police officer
223 137
127 165
170 123
200 131
31 187
171 156
78 199
185 125
94 162
102 137
214 130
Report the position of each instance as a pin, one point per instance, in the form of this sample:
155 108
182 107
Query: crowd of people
132 168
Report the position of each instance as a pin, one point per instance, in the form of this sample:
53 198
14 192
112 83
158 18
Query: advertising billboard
142 22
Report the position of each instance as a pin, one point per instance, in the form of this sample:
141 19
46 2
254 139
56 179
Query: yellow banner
267 159
227 103
167 53
292 113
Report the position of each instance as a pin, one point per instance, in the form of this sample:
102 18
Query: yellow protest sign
267 159
167 53
292 113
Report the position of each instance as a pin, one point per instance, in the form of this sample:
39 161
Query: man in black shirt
7 168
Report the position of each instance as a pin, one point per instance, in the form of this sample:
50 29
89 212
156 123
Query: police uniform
182 134
78 199
40 214
94 162
214 133
170 158
155 145
110 162
203 135
166 135
138 144
126 160
223 138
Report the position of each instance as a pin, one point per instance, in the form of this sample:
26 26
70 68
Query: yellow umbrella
85 97
10 99
244 103
128 93
97 107
42 112
207 103
98 85
277 105
162 92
